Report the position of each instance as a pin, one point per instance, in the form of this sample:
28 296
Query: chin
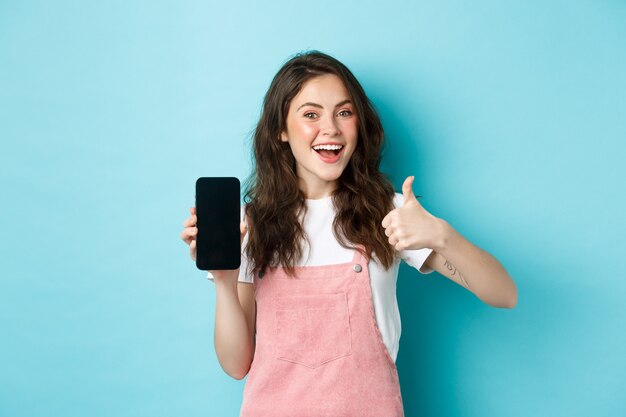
331 176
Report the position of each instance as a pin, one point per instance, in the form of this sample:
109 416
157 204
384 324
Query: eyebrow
341 103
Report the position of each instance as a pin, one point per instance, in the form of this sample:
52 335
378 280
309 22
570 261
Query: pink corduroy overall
319 352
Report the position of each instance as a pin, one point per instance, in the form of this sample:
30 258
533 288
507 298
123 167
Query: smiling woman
317 331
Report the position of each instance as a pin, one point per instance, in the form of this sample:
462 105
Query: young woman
311 316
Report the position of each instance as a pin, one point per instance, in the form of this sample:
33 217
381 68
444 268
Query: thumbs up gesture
411 226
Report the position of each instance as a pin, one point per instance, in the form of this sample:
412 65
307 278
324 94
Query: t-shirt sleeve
413 257
243 268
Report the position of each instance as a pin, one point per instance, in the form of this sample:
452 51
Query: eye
345 113
310 115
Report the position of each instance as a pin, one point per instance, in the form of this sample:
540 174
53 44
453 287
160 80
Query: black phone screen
218 244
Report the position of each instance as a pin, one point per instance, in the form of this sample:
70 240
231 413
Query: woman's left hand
411 226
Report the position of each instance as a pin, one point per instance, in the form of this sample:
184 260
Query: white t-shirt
325 250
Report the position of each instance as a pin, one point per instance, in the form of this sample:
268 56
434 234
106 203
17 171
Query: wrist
444 236
226 279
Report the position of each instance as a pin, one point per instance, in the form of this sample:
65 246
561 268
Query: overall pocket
312 330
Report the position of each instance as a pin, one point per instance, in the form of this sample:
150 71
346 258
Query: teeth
327 147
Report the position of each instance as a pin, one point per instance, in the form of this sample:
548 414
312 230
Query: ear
283 137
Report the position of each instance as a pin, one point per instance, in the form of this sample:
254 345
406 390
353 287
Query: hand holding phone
188 235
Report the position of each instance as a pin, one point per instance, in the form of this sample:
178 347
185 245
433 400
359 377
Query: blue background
511 117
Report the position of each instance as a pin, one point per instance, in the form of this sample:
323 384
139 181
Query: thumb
407 190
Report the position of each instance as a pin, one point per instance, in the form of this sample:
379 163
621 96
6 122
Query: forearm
484 275
233 344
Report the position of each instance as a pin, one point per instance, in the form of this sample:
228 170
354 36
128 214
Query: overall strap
358 257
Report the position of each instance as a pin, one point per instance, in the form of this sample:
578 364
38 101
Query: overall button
357 268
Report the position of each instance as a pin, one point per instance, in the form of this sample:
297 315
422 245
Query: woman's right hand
189 233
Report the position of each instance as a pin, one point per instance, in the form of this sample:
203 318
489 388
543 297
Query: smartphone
218 243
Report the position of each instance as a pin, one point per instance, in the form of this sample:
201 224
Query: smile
328 153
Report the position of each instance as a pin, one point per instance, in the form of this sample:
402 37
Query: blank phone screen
218 244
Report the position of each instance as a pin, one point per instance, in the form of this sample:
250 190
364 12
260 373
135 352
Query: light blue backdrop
511 117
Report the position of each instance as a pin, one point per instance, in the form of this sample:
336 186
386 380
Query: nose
328 127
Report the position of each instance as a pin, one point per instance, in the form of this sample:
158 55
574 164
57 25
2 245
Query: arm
482 274
235 319
235 314
412 227
235 310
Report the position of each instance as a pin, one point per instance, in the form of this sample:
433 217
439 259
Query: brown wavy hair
275 203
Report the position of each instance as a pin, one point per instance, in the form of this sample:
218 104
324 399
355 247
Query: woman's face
322 131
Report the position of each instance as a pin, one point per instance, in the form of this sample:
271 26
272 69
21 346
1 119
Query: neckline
318 200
